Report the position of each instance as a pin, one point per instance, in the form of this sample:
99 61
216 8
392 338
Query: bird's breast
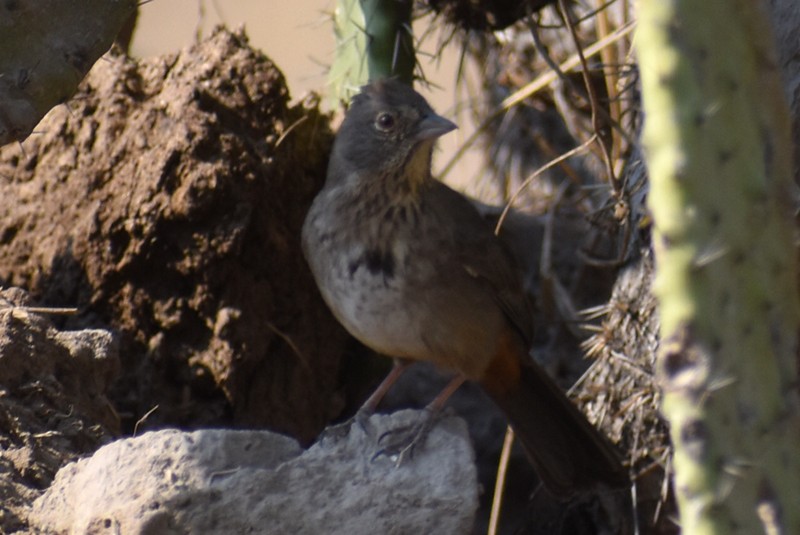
363 258
369 290
391 275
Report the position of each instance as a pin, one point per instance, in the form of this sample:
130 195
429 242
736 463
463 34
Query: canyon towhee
410 268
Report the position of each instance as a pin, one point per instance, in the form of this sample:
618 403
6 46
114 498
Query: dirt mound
165 202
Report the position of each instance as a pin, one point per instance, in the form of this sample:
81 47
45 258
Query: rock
224 481
47 48
53 405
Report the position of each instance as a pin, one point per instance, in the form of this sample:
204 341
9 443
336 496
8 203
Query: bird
409 267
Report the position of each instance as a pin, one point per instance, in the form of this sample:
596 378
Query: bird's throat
417 169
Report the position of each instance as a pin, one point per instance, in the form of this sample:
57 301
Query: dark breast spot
352 267
380 262
376 261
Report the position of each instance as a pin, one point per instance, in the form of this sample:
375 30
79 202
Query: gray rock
225 481
53 404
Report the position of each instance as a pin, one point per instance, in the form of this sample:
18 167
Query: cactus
373 40
718 149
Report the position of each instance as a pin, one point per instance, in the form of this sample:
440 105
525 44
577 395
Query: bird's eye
384 121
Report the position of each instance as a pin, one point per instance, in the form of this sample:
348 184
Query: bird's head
389 131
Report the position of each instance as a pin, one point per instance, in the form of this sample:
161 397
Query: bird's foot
402 441
339 431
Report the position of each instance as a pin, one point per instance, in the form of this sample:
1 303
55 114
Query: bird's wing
484 256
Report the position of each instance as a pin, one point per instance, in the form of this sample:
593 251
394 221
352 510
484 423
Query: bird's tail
567 452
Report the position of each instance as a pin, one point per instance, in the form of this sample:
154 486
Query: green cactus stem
373 40
717 141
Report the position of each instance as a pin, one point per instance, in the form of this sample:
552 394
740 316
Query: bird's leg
366 410
402 441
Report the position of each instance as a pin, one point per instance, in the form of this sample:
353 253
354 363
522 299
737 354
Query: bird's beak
433 126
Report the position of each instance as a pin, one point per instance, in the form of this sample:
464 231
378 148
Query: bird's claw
339 431
402 441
